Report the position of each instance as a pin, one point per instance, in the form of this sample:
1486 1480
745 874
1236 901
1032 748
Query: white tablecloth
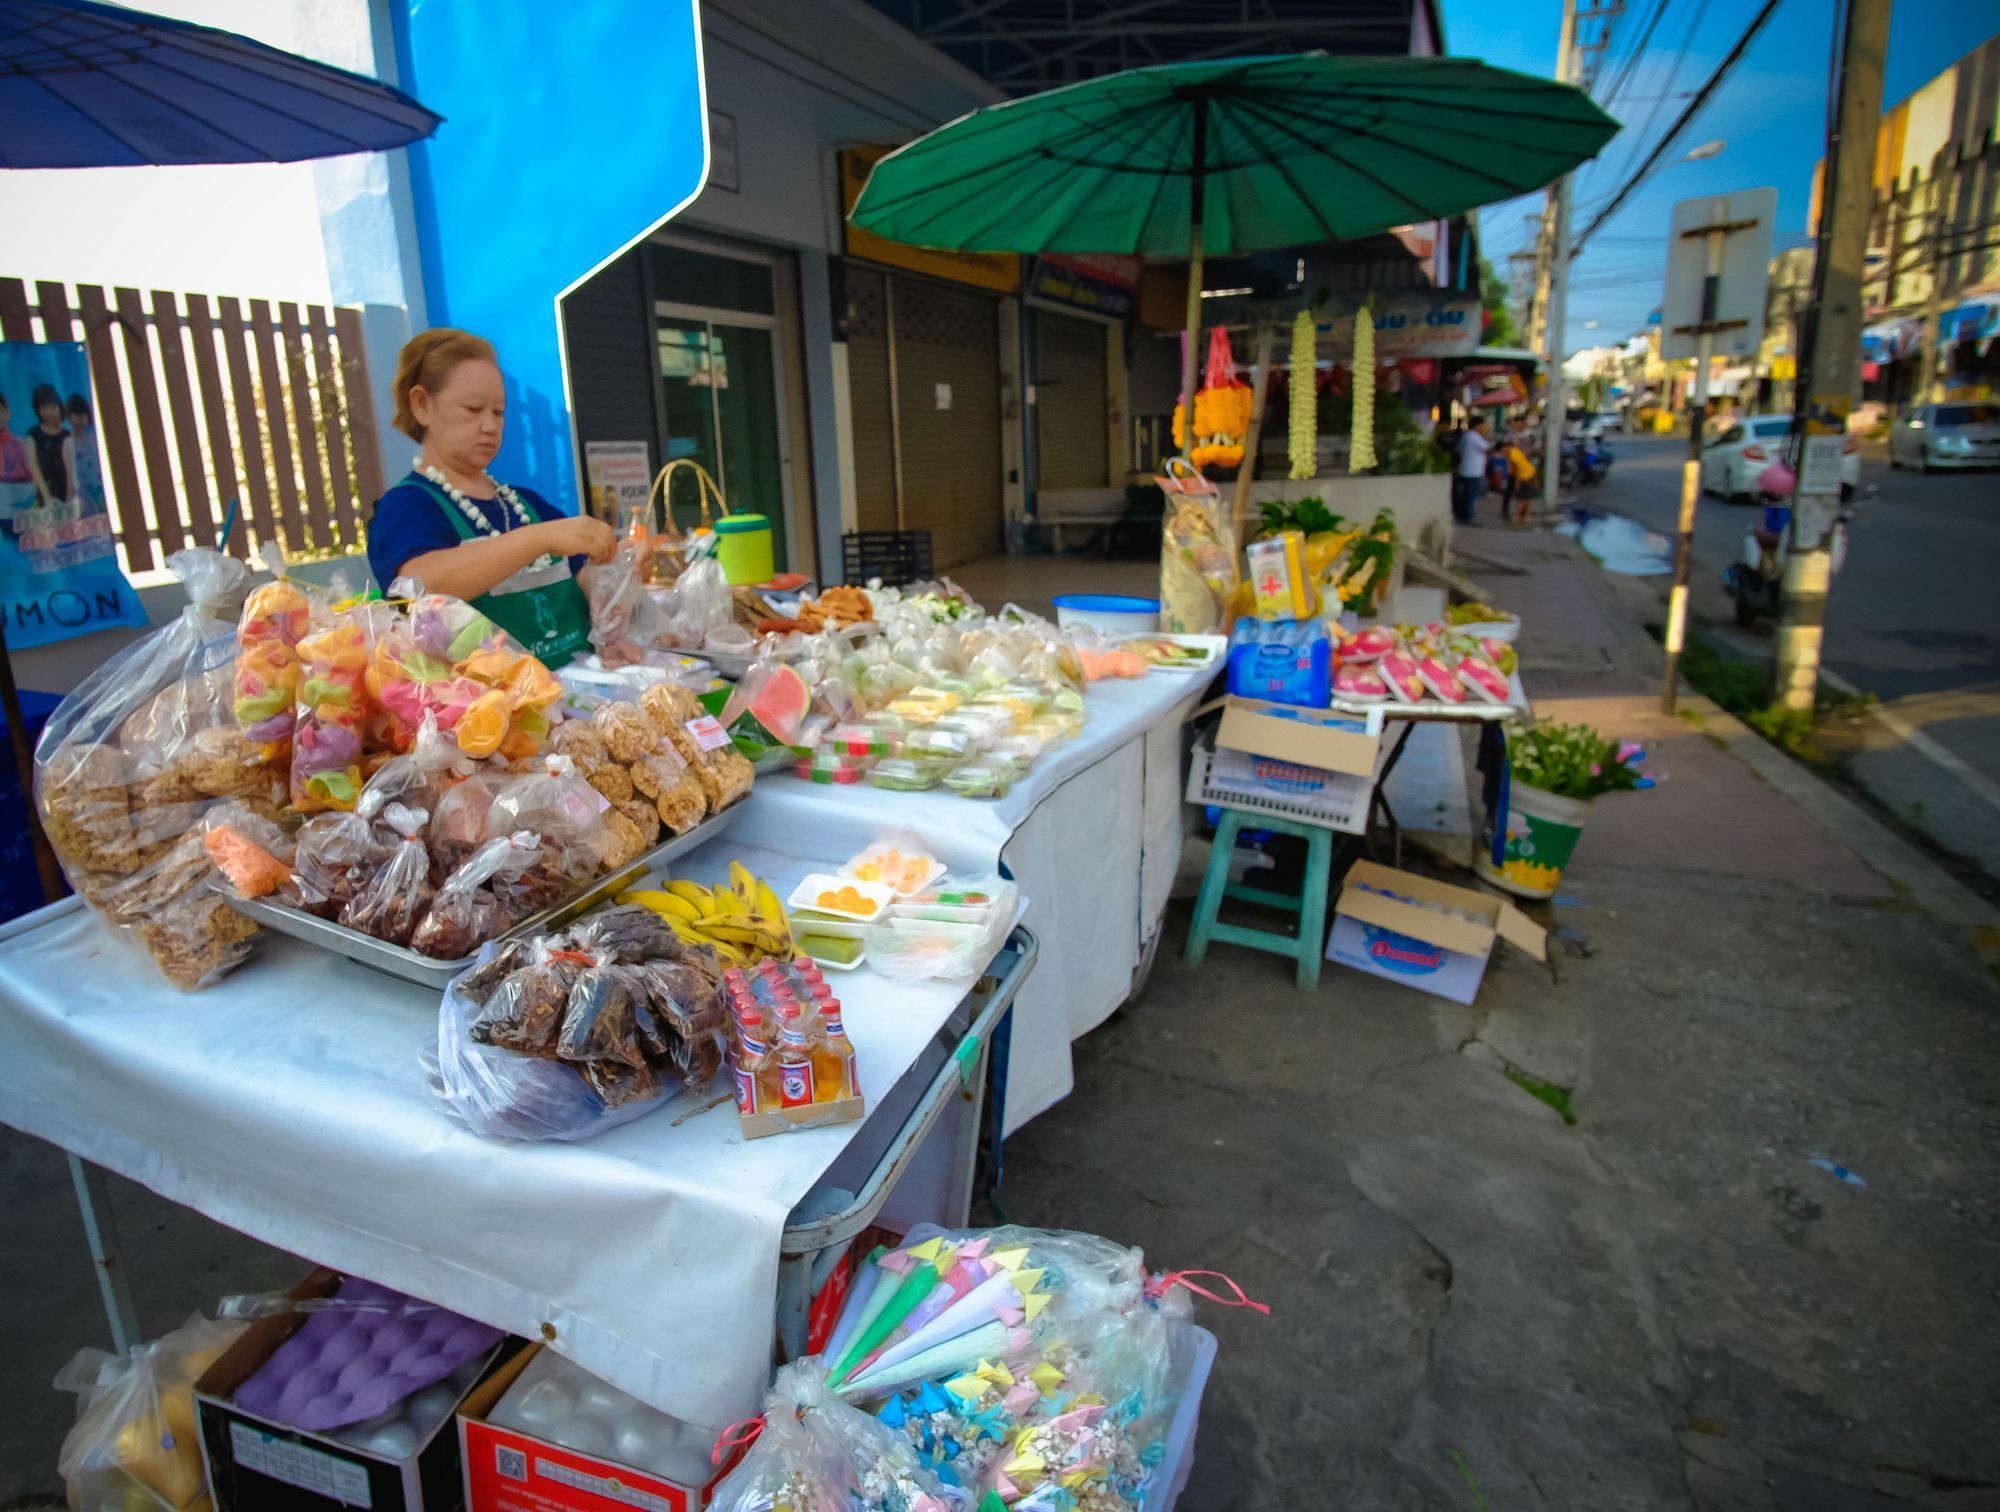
1092 835
287 1102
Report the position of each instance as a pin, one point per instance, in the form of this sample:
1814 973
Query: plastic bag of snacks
816 1451
390 903
556 804
624 620
701 742
447 658
336 713
563 1036
134 1444
132 760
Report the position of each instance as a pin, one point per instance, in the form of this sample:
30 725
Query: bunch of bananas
744 921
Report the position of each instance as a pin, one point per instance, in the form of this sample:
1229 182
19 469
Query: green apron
545 611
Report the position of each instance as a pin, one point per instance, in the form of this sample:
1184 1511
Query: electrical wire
1686 117
1631 60
1666 88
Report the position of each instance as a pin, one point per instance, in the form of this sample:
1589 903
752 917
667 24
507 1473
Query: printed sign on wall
59 574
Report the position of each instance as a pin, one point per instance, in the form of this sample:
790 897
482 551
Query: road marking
1917 740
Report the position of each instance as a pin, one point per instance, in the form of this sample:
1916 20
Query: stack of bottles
789 1048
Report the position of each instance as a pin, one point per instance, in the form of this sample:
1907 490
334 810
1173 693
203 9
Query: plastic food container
863 738
985 723
843 897
982 777
955 904
924 705
828 940
1113 613
912 949
899 774
743 547
830 766
939 746
905 873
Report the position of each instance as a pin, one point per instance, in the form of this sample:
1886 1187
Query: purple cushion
351 1363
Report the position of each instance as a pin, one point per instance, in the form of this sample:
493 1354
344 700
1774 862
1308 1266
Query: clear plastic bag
624 620
389 906
135 1444
494 1066
698 607
567 812
468 909
818 1452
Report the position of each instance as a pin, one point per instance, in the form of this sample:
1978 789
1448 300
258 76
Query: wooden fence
203 402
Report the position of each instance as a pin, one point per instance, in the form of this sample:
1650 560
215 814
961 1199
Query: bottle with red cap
833 1058
796 1081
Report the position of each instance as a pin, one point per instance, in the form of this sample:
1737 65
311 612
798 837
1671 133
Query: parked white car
1946 435
1735 457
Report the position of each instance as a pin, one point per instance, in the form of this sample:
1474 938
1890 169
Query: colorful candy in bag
276 617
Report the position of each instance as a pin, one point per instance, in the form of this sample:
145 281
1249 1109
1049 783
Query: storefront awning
1503 354
1975 320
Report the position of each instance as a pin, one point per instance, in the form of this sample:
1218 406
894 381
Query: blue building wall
570 132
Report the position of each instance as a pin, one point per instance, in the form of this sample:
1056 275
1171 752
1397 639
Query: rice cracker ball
609 778
644 816
724 774
627 733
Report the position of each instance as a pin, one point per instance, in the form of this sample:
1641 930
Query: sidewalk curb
1914 874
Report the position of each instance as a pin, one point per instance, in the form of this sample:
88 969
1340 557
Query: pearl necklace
473 517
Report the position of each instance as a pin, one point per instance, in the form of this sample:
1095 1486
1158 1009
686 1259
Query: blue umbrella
84 85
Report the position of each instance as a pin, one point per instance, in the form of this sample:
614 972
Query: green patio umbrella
1243 155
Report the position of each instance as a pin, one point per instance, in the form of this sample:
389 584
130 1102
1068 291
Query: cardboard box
806 1116
256 1465
507 1470
1420 947
1306 737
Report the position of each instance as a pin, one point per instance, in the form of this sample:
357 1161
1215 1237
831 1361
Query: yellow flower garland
1361 454
1302 443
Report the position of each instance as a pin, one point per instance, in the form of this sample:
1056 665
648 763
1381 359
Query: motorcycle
1585 460
1756 581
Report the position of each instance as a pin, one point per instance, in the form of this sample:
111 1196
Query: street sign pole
1717 275
1830 368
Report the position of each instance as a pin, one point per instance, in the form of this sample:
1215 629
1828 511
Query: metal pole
1831 371
1260 379
1197 193
93 1201
1558 309
1691 472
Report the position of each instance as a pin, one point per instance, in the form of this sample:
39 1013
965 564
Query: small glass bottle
796 1081
752 1063
833 1063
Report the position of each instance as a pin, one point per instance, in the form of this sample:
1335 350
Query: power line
1694 107
1631 60
1666 86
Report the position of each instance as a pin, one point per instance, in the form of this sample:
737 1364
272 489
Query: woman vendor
454 527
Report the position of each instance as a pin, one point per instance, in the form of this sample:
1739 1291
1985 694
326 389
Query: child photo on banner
59 572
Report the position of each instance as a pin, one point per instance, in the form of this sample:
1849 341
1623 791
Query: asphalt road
1914 619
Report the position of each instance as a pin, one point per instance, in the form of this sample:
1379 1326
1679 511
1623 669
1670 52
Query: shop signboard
999 271
1436 324
1102 283
59 574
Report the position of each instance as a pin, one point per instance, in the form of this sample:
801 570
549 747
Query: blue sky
1771 111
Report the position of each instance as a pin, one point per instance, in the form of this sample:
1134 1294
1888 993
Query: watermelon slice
780 702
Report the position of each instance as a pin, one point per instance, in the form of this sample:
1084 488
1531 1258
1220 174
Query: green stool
1309 942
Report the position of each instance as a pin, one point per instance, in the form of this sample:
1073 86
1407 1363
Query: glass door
720 381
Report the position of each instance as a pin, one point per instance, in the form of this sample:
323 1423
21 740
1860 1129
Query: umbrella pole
1197 189
1190 354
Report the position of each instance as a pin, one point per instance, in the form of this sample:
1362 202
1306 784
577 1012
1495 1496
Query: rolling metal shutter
1070 420
952 482
868 399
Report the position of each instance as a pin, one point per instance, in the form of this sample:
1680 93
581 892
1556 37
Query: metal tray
426 971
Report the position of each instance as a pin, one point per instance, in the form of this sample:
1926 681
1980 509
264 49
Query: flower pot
1542 831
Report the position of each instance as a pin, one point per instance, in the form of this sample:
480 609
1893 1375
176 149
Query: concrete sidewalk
1667 1304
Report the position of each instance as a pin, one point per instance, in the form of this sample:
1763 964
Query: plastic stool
1306 945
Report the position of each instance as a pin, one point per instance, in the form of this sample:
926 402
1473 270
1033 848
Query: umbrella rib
1008 164
1160 188
1293 184
1490 112
206 125
111 131
315 79
1320 148
238 95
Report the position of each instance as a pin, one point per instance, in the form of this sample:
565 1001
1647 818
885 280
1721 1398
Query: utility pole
1558 297
1943 180
1830 367
1713 234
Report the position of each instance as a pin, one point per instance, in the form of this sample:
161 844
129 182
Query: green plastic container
743 546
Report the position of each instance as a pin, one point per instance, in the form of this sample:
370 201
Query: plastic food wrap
276 617
556 804
390 903
1198 557
698 607
624 620
817 1452
132 759
468 909
135 1444
703 744
571 1033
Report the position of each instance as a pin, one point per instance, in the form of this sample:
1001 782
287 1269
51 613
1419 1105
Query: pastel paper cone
913 1289
953 1357
940 1297
976 1307
867 1281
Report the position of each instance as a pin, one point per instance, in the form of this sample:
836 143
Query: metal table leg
1378 801
93 1201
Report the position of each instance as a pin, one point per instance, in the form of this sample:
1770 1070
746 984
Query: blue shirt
410 520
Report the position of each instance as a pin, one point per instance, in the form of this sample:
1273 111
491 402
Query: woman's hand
580 535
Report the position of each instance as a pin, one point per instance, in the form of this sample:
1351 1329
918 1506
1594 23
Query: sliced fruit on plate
1360 683
1400 673
1441 680
1482 679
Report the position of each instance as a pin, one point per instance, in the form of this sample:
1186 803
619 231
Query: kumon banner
1441 324
59 574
